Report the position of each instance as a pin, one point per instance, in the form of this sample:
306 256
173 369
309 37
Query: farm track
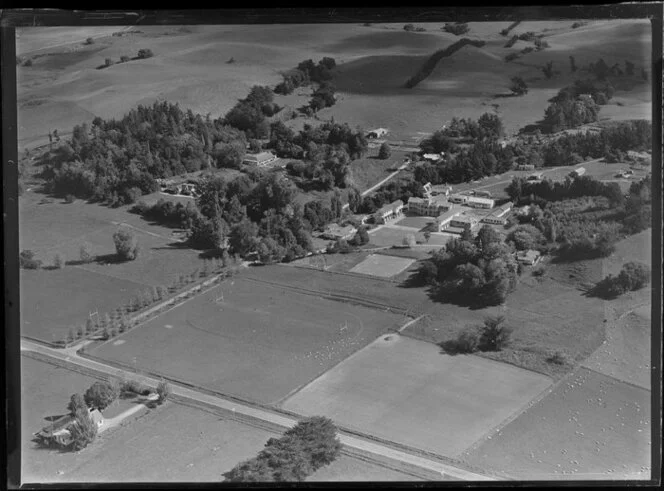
365 444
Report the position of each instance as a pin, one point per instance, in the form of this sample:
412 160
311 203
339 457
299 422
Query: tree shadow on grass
177 244
55 417
451 347
110 259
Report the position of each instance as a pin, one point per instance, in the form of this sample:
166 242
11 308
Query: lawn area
415 222
250 339
54 301
370 170
407 391
389 236
382 266
347 468
590 427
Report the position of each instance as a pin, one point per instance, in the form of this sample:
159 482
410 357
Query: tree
145 53
101 394
83 431
59 261
163 390
385 151
494 334
85 254
76 403
572 64
126 244
27 260
548 70
318 435
409 240
108 62
89 41
468 340
124 59
634 276
409 27
518 86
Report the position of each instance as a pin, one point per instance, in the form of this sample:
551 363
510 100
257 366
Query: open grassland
370 170
408 392
590 427
382 266
249 339
190 67
54 301
347 468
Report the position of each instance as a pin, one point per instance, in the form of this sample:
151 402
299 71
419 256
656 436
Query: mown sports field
249 339
407 391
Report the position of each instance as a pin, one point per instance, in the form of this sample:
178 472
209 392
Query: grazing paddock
545 316
406 391
249 339
383 266
54 301
626 353
590 427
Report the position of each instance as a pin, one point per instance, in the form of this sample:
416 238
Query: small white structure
441 190
260 159
433 157
460 223
529 257
477 202
389 212
460 199
444 220
498 215
525 167
336 232
376 133
578 172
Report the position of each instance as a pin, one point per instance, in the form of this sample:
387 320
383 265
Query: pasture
373 63
382 266
388 236
590 427
406 391
370 170
54 301
248 339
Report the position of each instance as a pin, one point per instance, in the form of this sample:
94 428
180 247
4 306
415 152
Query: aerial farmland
332 252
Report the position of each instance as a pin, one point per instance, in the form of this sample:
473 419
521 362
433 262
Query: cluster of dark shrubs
456 28
413 28
493 335
633 276
303 449
305 73
27 260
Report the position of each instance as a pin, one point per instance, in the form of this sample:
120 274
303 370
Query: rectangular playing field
590 427
415 222
249 339
383 266
406 391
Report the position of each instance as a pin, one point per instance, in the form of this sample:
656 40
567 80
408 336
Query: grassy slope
190 67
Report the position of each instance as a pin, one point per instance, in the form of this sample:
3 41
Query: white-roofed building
477 202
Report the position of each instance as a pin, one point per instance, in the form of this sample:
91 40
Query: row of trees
303 449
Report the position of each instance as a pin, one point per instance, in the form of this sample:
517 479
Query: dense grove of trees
482 271
457 28
303 449
305 73
249 114
582 218
633 276
115 161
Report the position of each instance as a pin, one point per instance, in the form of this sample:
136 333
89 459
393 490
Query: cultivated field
590 427
406 391
249 339
383 266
